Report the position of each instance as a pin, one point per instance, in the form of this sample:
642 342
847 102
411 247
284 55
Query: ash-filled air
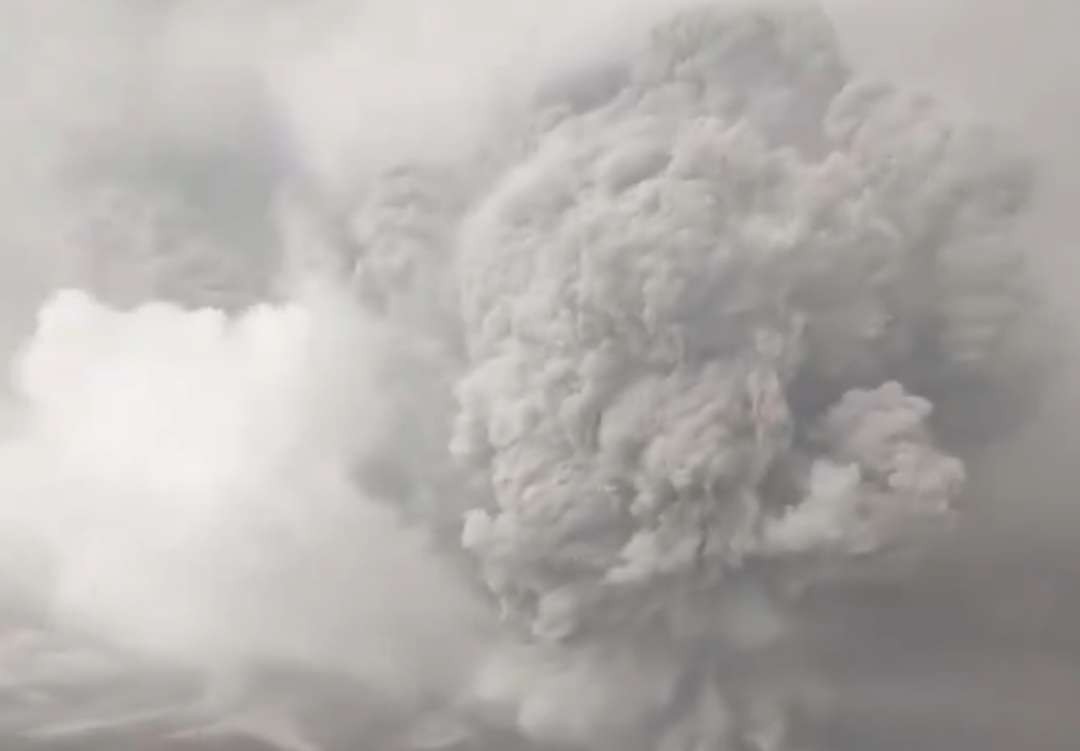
560 432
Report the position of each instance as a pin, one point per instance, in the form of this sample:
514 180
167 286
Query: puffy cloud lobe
879 479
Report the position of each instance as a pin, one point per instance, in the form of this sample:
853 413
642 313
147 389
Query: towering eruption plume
694 310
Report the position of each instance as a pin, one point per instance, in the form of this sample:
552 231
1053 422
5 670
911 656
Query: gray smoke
686 305
427 384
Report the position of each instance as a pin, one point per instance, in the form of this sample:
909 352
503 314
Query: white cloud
187 479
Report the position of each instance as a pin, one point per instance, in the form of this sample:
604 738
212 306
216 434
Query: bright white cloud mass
559 402
189 478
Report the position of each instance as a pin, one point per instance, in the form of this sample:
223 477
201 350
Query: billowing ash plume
693 310
657 364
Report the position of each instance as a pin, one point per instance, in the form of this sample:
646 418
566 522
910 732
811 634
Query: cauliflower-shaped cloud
689 308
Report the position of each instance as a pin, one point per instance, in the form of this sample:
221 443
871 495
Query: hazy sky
366 82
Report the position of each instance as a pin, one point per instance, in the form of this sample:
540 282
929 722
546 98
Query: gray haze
270 343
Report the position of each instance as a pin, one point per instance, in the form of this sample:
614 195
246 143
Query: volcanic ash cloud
695 310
